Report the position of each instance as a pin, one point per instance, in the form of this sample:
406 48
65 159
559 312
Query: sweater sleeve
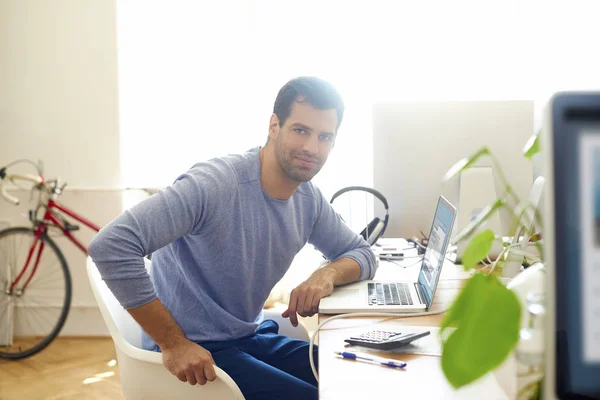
336 240
190 204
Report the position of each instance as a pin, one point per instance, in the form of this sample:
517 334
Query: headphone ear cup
370 229
376 233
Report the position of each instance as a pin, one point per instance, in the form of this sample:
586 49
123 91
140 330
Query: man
221 237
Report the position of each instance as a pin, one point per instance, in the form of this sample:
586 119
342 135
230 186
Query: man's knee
260 381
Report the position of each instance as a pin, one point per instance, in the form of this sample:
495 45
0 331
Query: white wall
58 103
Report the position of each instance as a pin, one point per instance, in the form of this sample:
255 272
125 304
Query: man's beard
287 161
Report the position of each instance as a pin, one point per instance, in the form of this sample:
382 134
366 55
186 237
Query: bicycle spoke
19 251
4 248
43 295
14 260
37 312
4 305
38 305
19 327
17 264
45 279
5 253
56 280
45 274
44 303
11 255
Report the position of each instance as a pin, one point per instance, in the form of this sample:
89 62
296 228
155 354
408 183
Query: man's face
303 143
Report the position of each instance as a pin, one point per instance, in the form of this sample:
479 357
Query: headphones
375 229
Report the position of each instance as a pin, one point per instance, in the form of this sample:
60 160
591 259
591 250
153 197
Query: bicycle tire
66 303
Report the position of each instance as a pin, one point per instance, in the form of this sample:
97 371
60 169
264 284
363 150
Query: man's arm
186 360
304 299
118 250
336 241
340 272
353 260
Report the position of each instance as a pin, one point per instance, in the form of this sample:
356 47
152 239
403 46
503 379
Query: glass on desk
530 349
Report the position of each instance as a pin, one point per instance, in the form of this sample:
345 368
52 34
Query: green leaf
479 247
465 163
480 219
532 147
487 319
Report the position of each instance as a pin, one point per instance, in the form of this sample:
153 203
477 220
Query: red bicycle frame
42 228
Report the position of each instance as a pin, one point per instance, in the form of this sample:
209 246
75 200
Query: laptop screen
439 237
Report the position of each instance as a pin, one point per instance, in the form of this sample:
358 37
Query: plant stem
527 387
497 260
503 178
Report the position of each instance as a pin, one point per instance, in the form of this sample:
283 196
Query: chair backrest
120 323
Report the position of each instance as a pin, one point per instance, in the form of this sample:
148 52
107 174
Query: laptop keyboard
387 294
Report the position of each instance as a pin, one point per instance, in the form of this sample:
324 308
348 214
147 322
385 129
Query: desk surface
341 379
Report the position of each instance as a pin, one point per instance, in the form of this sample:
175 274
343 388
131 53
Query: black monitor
571 143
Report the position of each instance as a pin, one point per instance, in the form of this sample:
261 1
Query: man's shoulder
232 168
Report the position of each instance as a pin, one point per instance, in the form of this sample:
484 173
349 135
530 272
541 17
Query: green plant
486 314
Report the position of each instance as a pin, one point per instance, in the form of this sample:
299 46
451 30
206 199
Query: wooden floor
69 368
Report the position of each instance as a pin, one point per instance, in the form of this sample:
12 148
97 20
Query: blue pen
376 360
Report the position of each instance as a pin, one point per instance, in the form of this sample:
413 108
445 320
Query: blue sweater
219 244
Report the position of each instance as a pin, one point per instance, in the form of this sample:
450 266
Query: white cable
386 258
389 259
364 314
405 266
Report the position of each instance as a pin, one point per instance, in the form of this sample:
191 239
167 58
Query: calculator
384 340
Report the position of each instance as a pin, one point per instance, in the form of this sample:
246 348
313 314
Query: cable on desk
420 258
404 266
364 314
387 258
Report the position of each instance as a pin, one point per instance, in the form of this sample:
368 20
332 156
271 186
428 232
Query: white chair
142 373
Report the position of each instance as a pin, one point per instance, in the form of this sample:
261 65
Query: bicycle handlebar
30 178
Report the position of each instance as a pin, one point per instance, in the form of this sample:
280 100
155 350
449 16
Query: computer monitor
571 139
415 144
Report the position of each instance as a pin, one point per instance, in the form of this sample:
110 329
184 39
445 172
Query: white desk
423 379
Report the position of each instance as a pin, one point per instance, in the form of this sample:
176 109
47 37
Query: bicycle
26 277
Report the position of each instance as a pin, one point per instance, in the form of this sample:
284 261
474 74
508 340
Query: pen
377 360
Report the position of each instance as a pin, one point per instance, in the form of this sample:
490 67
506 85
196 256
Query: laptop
398 296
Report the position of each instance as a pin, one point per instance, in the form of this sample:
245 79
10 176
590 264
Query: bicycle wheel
32 316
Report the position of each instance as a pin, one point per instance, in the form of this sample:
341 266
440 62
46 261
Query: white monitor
416 143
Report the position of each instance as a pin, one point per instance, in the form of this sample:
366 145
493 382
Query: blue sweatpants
266 365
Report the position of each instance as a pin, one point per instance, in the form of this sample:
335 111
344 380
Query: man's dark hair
319 93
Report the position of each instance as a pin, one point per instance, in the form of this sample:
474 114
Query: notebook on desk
400 296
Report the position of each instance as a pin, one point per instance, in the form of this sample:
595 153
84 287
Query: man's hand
304 300
189 362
